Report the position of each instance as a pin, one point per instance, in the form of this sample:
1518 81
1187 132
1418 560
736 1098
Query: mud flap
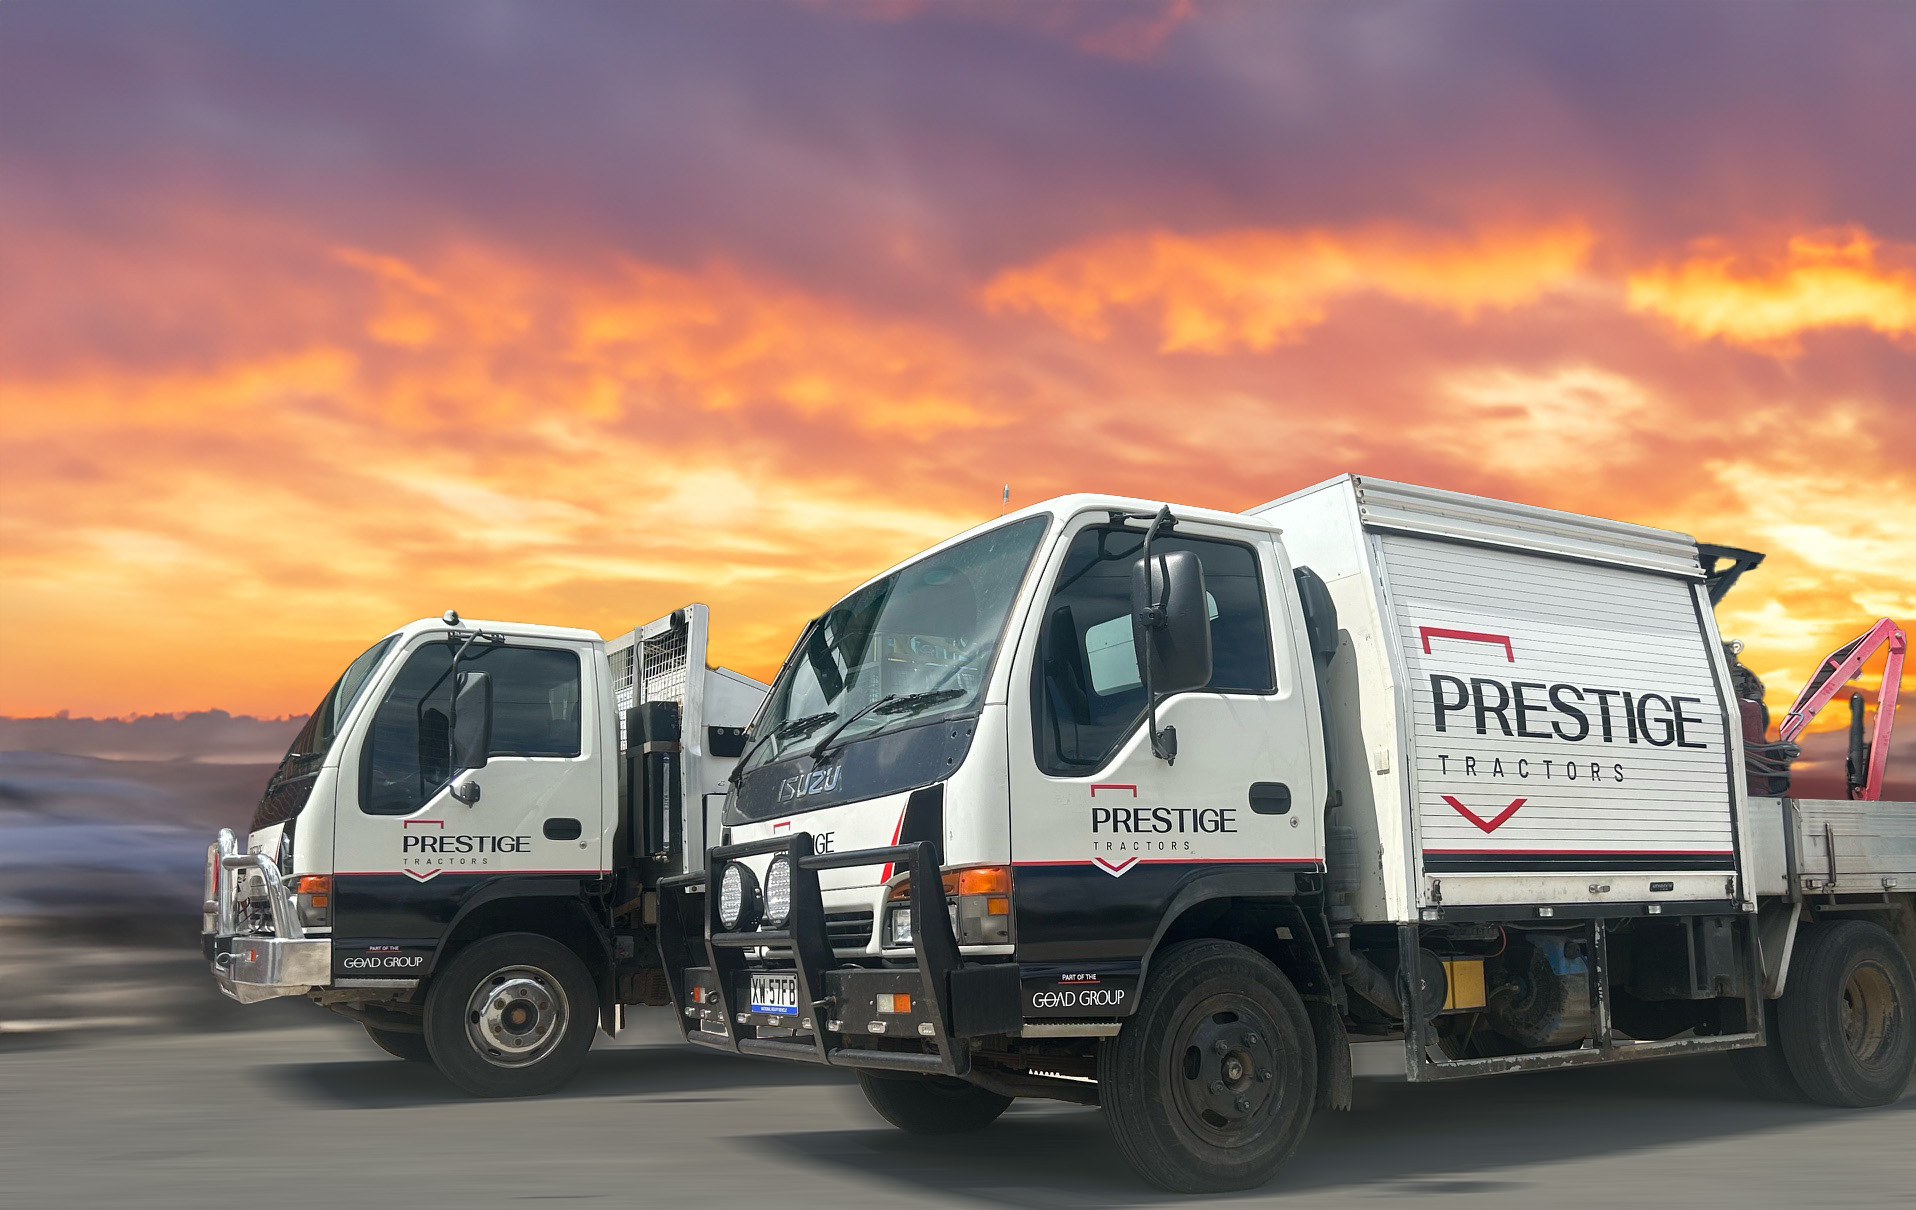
1333 1056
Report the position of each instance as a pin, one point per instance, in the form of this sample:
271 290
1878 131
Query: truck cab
972 817
460 849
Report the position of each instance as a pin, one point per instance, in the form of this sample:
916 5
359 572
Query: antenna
1005 504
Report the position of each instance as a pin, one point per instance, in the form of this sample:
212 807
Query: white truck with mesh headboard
461 850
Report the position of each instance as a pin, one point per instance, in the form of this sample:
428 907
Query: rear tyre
1766 1071
1848 1015
1210 1084
410 1047
931 1104
511 1016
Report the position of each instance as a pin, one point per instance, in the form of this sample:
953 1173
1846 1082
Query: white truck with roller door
1170 810
462 847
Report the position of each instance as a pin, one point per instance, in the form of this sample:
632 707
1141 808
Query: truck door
1105 835
408 851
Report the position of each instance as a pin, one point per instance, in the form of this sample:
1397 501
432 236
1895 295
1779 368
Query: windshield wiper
797 726
911 703
891 703
823 745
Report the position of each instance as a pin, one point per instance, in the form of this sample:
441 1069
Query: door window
408 755
1088 690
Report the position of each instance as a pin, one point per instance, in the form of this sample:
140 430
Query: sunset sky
318 318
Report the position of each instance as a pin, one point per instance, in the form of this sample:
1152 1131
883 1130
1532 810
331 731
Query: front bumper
836 1021
250 966
255 968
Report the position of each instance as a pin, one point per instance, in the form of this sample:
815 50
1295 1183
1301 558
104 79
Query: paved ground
297 1110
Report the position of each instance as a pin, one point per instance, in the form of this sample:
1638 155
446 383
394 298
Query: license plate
776 995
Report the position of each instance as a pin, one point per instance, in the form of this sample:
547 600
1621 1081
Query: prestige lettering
1159 820
1573 714
421 843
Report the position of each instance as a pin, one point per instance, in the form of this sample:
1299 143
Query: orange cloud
1822 281
243 508
514 439
1256 289
518 340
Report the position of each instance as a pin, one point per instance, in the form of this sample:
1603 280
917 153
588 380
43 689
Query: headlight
898 927
738 898
778 892
978 898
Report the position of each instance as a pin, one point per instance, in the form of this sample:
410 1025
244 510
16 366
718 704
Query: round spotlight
738 898
778 892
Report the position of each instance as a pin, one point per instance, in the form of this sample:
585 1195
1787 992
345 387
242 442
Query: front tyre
1847 1016
511 1016
931 1104
1209 1086
408 1046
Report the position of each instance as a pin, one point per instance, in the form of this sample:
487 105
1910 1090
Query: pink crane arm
1835 673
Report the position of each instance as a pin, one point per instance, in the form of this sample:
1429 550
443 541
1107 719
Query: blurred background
104 825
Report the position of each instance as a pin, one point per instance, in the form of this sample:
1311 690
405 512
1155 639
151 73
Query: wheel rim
516 1016
1223 1070
1872 1016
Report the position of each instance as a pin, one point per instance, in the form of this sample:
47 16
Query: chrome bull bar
252 966
223 857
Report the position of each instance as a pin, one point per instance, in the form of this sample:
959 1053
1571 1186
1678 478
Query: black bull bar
959 1001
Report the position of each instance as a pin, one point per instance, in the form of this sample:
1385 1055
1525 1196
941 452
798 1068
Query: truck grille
848 930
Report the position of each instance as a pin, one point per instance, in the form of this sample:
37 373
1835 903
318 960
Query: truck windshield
316 737
914 645
292 782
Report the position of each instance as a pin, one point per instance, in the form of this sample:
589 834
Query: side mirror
471 721
1170 622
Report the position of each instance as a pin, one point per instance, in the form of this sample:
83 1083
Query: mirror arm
452 712
1164 744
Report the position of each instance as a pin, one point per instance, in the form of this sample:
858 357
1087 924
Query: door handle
562 829
1271 798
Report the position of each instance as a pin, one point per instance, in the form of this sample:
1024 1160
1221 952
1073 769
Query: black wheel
1209 1085
1766 1070
511 1016
1847 1016
931 1104
410 1047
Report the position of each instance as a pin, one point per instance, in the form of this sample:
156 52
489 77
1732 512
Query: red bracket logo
1486 825
1427 633
413 874
1114 868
